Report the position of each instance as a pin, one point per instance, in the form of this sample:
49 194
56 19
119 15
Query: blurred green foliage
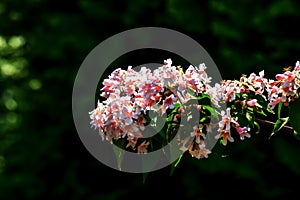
42 45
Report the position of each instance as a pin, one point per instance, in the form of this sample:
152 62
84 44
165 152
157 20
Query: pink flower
132 139
142 148
274 101
285 88
203 150
168 62
243 132
197 132
252 102
229 90
224 127
168 103
225 135
197 150
297 66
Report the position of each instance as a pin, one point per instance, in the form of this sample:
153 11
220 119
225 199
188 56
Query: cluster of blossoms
130 95
284 89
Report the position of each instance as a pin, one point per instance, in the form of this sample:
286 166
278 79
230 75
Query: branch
270 123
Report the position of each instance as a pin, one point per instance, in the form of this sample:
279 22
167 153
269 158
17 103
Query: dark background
42 45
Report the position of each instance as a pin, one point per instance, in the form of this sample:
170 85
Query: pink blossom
168 103
252 102
243 132
197 132
142 148
297 66
132 139
168 62
225 127
198 150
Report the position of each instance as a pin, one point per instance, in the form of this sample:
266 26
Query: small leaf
297 135
263 103
258 126
174 165
270 110
204 99
279 109
258 105
211 110
280 123
261 112
250 117
203 119
245 96
250 109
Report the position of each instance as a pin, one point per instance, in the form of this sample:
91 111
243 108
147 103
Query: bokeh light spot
35 84
10 104
16 41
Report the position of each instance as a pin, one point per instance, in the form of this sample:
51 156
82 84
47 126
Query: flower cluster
225 126
130 96
285 88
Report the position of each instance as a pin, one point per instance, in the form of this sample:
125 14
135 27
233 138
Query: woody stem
270 123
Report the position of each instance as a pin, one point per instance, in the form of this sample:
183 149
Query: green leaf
270 110
174 165
294 115
245 96
204 99
258 126
211 110
264 104
203 119
258 105
250 109
174 111
260 111
280 123
202 96
176 106
250 117
279 109
297 135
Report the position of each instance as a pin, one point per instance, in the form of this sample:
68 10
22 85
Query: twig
270 123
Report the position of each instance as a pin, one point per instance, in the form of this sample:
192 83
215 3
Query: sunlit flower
132 139
225 127
197 132
252 102
168 103
168 62
142 148
285 88
243 132
197 150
